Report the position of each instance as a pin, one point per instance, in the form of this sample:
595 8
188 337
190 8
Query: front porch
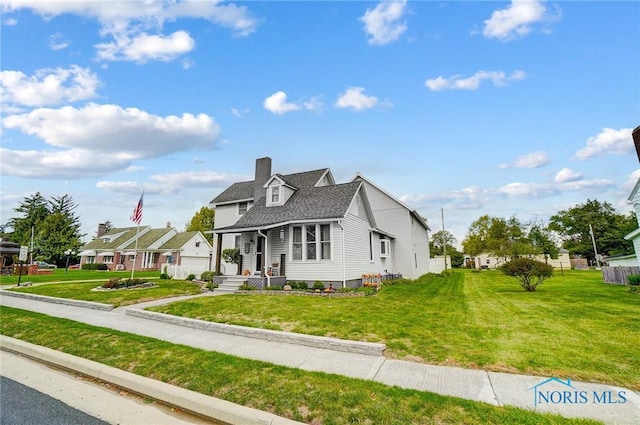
231 284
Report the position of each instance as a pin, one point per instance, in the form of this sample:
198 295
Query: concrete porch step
231 284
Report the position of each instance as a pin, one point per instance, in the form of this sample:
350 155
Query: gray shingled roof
244 190
235 192
178 241
99 244
308 203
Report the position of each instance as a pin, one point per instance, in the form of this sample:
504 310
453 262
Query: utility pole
595 250
444 240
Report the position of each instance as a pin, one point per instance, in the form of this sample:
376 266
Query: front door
259 249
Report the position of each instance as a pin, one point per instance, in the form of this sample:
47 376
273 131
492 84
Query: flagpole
136 217
135 252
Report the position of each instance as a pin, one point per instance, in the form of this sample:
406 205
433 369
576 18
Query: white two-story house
305 227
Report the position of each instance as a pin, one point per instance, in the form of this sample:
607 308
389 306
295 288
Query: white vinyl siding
320 269
410 246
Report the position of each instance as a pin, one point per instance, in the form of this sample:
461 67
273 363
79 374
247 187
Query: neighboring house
151 249
305 227
629 260
634 236
488 261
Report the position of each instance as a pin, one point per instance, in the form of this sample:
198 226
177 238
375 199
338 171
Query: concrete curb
65 301
360 347
191 401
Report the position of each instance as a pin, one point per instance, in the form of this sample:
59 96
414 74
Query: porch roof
306 204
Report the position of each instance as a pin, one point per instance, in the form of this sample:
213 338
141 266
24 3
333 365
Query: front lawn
310 397
75 275
121 297
572 326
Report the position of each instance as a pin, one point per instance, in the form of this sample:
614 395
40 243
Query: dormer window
275 194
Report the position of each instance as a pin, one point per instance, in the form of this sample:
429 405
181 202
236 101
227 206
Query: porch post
218 253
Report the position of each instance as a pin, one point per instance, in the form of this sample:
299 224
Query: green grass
572 326
83 291
310 397
75 275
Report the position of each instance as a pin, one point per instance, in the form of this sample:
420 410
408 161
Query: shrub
211 286
529 272
191 276
94 266
318 285
164 276
207 276
634 279
303 285
112 283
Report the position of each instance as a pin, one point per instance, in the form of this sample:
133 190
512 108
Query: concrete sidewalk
612 405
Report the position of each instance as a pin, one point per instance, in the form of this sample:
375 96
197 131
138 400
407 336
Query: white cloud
567 175
239 113
632 179
109 128
72 163
355 98
517 19
144 47
531 160
48 86
277 103
608 141
128 24
114 135
58 41
457 82
531 190
383 23
172 183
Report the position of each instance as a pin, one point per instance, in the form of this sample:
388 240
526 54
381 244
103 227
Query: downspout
264 259
344 267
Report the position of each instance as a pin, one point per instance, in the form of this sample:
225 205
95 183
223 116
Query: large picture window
311 242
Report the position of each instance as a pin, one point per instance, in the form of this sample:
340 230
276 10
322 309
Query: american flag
136 216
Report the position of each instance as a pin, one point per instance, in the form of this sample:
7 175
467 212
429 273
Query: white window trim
386 243
238 213
280 200
318 243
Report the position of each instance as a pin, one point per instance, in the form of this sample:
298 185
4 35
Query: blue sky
503 108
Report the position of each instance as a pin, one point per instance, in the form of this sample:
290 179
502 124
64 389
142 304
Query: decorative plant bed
145 285
118 283
303 293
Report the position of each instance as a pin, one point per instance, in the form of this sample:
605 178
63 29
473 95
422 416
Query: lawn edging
328 343
65 301
191 401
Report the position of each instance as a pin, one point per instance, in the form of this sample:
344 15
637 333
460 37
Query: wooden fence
618 275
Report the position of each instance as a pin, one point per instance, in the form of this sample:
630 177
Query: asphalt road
21 405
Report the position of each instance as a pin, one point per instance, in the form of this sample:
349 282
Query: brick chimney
263 172
102 229
636 140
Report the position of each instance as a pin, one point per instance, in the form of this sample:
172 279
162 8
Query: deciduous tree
202 221
609 229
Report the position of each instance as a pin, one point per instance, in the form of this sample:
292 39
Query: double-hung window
385 248
311 242
275 194
297 243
